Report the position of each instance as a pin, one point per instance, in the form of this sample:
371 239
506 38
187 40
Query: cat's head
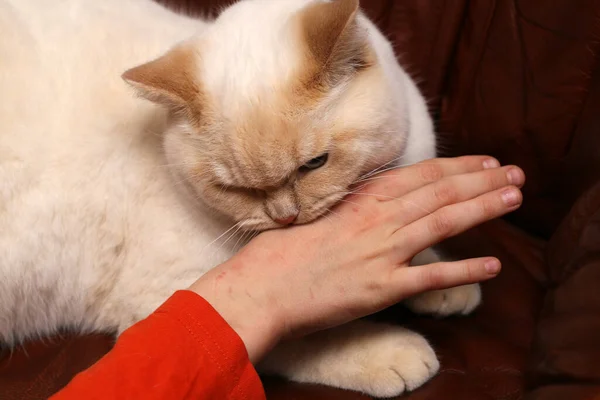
277 108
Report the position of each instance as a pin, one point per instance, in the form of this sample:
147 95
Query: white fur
95 233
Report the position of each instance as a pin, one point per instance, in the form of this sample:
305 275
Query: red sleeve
184 350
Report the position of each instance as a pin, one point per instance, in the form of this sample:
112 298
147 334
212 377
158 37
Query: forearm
252 314
183 350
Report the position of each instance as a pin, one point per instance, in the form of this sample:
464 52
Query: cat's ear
332 34
169 80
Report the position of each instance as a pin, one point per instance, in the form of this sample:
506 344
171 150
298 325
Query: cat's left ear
169 80
335 41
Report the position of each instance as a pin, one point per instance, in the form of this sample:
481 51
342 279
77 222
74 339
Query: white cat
264 117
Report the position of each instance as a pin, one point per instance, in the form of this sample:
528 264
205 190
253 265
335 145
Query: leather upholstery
511 78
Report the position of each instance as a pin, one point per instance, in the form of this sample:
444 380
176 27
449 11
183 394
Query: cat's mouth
320 208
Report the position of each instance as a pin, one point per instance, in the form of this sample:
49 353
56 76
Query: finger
451 190
443 275
402 180
454 219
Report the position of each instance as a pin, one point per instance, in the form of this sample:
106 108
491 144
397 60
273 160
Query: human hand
353 263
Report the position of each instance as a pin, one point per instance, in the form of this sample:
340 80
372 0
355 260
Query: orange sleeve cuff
184 350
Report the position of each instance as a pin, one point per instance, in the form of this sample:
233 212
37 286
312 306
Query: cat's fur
100 218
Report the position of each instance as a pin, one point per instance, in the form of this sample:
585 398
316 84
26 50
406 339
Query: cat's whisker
378 169
327 217
243 239
239 227
376 178
385 165
337 214
253 234
217 239
359 188
382 171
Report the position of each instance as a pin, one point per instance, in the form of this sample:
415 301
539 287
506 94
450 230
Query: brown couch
517 79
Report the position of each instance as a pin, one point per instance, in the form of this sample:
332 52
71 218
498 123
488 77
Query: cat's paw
459 300
379 360
390 365
385 364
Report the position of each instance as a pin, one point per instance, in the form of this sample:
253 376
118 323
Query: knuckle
431 172
398 249
467 161
445 193
467 271
370 221
496 179
441 224
362 227
375 285
432 277
381 215
487 207
470 163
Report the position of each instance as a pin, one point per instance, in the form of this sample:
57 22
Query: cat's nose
286 220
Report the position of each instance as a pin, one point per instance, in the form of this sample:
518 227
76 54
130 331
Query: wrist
248 314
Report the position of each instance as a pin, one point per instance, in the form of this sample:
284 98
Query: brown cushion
524 85
567 340
41 368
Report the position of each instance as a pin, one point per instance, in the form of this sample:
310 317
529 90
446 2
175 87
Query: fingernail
515 176
492 266
491 163
511 197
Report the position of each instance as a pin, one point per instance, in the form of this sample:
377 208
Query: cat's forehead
251 52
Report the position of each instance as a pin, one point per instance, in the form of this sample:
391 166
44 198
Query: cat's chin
257 226
254 225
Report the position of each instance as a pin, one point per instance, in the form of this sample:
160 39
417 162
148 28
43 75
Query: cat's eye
315 163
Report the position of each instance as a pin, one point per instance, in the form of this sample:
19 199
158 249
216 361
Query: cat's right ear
169 80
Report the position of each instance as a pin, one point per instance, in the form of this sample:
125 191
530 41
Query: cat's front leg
136 301
458 300
377 359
